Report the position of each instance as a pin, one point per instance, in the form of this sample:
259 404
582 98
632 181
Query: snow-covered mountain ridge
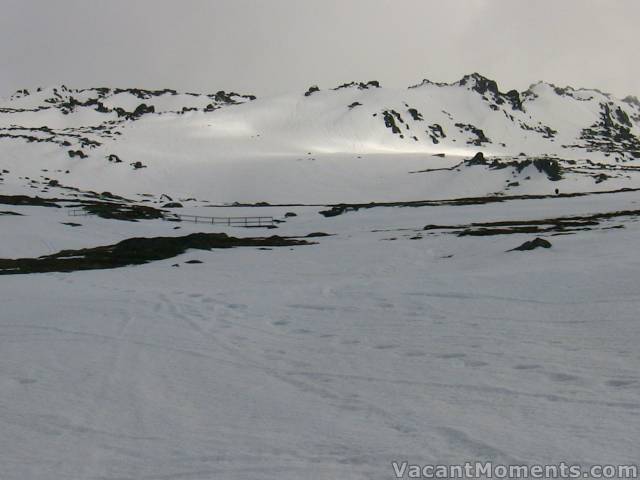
94 132
472 112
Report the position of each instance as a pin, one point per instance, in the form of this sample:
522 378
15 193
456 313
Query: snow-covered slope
381 343
349 139
363 334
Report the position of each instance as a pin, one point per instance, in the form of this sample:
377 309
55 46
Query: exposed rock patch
533 244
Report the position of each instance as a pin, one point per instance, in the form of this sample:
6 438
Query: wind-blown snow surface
383 342
324 361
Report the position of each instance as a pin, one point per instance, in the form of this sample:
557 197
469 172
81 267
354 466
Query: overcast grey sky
273 46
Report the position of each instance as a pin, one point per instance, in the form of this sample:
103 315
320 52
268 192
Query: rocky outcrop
533 244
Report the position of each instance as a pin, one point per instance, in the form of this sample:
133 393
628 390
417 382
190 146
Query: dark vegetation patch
71 224
342 208
560 225
121 211
98 204
10 214
135 251
27 200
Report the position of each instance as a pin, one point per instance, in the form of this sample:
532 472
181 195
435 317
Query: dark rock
390 117
143 109
415 114
533 244
480 137
172 205
224 97
77 153
478 159
436 133
137 165
359 85
311 90
290 214
486 87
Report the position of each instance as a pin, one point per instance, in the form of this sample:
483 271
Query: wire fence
177 217
229 221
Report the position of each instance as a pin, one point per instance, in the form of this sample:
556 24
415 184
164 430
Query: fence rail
177 217
230 221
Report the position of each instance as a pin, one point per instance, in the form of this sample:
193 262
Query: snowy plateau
315 285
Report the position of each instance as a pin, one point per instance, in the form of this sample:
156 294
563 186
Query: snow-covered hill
331 340
355 142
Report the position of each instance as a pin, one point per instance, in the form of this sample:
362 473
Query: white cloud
267 47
